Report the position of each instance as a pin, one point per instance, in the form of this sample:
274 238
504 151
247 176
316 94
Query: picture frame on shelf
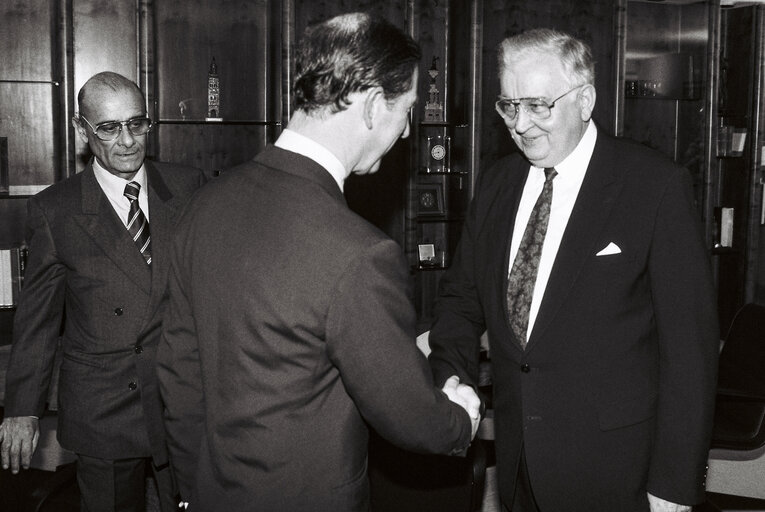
430 199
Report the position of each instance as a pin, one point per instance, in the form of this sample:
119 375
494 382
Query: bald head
111 99
104 84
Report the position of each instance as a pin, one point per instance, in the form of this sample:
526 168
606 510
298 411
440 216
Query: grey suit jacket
289 330
85 273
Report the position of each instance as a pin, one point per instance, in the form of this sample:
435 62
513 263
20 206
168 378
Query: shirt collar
115 184
579 159
309 148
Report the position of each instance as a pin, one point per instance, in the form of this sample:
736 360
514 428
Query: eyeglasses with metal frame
536 108
110 130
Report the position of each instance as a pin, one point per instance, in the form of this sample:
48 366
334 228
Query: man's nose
126 138
523 120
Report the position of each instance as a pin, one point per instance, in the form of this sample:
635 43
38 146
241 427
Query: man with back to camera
290 326
599 304
98 249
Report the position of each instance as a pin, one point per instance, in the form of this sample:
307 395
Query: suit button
118 311
132 386
138 349
525 368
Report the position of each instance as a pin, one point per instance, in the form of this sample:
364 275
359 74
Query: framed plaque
430 199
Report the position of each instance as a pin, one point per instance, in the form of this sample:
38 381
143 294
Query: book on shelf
12 266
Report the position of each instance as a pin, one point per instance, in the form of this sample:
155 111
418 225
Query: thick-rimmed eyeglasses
110 130
537 108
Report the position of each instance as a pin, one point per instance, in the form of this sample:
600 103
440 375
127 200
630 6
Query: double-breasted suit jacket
85 272
614 394
289 330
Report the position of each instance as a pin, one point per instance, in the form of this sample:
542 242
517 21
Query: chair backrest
742 359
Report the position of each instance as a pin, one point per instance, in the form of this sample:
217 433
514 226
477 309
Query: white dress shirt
114 188
302 145
566 185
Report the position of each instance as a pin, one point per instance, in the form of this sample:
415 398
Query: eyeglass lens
535 108
112 130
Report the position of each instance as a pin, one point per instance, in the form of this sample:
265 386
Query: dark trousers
121 485
523 499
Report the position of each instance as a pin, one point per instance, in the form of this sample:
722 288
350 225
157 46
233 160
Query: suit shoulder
637 155
59 193
178 172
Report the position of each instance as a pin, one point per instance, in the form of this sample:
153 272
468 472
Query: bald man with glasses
582 258
97 251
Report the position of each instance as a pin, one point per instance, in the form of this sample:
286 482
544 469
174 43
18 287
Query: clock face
437 152
427 199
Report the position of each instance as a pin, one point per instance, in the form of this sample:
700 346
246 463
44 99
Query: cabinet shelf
427 268
723 250
431 219
441 124
224 122
450 173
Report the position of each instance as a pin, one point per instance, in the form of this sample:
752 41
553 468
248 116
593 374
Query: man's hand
465 397
660 505
18 440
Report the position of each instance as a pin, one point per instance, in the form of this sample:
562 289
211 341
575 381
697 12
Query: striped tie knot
138 224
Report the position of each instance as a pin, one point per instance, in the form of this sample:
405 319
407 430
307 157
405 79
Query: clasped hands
466 397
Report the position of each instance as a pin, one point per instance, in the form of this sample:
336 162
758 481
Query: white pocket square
611 248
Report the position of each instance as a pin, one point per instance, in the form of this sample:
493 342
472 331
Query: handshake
466 397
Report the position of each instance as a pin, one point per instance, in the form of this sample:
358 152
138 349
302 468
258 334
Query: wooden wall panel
105 39
188 36
27 94
26 44
26 119
211 147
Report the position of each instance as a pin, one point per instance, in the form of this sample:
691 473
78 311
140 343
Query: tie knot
550 173
131 190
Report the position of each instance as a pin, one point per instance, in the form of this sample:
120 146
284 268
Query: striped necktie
138 225
523 275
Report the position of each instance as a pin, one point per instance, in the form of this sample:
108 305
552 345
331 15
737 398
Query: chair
737 458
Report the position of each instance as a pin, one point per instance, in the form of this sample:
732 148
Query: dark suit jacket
82 261
614 393
289 328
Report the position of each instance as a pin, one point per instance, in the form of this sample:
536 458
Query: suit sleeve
180 382
459 320
371 340
686 322
37 323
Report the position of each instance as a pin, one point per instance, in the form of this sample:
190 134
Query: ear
81 132
587 101
373 100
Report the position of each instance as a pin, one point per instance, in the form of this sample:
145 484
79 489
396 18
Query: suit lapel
99 220
592 210
162 214
505 222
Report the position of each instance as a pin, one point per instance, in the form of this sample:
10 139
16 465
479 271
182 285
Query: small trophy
434 109
213 93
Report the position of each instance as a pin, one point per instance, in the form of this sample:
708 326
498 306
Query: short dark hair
352 53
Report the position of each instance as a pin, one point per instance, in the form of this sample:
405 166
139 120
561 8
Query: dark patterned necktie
523 275
138 225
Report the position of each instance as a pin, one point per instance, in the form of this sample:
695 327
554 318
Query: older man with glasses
97 251
582 258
